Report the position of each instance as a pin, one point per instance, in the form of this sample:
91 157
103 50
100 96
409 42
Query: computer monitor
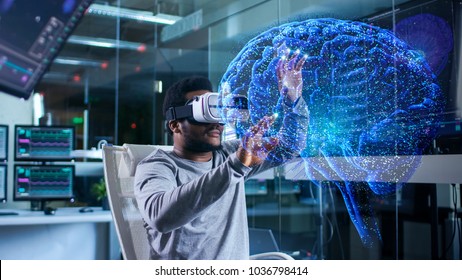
256 187
43 143
284 186
3 142
261 240
412 16
3 182
31 35
43 182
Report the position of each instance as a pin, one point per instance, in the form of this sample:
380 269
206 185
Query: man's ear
174 126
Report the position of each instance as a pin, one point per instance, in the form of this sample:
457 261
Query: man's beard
201 147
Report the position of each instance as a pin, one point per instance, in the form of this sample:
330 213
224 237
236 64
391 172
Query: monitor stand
38 205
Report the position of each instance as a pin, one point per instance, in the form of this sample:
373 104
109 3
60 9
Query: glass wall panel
333 217
381 81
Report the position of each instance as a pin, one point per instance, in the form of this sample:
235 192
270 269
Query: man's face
200 137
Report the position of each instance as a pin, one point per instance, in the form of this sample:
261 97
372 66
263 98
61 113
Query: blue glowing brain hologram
369 94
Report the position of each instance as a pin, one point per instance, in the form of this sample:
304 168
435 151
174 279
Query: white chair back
119 169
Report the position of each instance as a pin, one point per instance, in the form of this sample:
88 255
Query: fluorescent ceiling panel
145 16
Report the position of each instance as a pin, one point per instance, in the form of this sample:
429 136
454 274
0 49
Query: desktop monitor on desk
3 143
261 240
284 187
3 182
41 183
256 187
43 143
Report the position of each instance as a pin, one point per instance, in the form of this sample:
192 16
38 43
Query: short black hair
176 94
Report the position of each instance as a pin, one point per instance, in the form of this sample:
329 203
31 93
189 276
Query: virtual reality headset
210 108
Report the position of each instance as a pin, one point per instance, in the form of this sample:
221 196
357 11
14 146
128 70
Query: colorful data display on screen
256 187
31 36
43 182
3 183
3 142
42 143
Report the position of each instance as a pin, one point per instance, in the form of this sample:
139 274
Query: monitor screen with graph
43 182
256 187
43 143
3 142
3 182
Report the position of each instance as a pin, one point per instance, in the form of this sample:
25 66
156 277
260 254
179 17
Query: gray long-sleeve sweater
197 210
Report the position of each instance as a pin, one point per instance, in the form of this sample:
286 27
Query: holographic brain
369 95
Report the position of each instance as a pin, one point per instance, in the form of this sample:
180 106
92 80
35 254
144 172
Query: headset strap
180 112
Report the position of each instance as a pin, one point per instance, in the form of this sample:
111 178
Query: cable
311 190
331 230
333 224
456 216
460 238
455 223
337 230
315 245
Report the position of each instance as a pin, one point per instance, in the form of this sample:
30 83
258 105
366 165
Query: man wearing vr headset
192 199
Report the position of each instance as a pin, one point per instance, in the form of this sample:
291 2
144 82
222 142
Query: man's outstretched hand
254 147
289 73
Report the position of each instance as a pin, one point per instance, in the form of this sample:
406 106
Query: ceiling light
106 43
78 61
111 11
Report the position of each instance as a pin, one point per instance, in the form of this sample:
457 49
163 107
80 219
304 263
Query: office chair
119 170
271 256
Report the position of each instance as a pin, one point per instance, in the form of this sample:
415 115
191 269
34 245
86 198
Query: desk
67 235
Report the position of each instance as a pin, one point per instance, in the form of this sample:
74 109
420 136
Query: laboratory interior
379 178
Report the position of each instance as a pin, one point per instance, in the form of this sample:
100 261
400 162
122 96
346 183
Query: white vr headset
209 108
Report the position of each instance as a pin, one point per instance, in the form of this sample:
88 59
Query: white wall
13 111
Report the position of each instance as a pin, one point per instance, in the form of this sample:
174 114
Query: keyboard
8 213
